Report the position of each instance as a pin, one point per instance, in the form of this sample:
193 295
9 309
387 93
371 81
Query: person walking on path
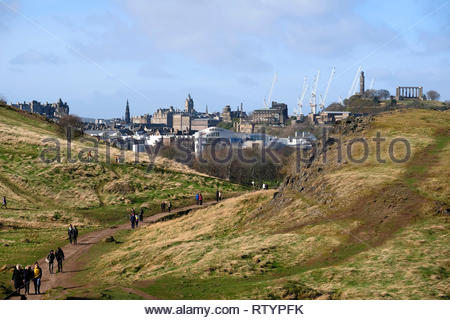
27 277
200 199
37 276
217 195
59 255
50 260
70 234
197 198
169 206
4 205
220 195
17 278
132 220
141 215
163 206
75 235
136 216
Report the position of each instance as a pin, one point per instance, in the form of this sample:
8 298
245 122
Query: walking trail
72 253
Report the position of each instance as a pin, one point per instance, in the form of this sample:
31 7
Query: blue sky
97 54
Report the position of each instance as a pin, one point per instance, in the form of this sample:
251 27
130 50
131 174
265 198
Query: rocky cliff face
307 174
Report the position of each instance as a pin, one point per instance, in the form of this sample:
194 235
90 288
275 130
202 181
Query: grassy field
43 198
355 231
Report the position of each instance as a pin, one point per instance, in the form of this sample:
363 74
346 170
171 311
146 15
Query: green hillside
344 230
43 198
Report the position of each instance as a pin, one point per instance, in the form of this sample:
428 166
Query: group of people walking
52 256
23 277
136 217
199 198
72 232
166 206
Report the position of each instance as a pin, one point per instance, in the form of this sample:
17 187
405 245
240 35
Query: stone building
53 110
144 119
181 122
276 115
226 114
61 109
229 116
203 123
244 126
189 104
22 106
328 117
163 116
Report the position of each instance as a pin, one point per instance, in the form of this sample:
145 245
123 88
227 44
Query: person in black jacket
51 260
70 234
27 277
75 235
17 278
132 220
59 255
141 215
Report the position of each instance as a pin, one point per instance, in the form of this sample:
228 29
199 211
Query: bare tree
433 95
2 99
369 93
73 123
335 106
383 94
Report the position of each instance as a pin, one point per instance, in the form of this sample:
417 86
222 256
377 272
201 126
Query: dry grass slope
43 198
354 231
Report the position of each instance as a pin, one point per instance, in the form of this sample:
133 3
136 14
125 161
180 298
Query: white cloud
241 34
7 9
34 57
152 70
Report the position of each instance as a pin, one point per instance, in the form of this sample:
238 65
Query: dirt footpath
72 253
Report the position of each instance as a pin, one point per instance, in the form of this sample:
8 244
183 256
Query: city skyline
99 56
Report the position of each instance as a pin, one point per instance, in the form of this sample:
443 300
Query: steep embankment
43 198
334 230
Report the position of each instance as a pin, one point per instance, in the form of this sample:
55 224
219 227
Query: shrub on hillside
433 95
119 187
72 123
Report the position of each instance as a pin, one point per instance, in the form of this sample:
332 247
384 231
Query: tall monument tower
361 83
127 113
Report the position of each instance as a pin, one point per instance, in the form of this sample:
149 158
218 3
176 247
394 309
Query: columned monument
409 93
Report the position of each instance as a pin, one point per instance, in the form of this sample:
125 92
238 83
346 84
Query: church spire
206 109
127 113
